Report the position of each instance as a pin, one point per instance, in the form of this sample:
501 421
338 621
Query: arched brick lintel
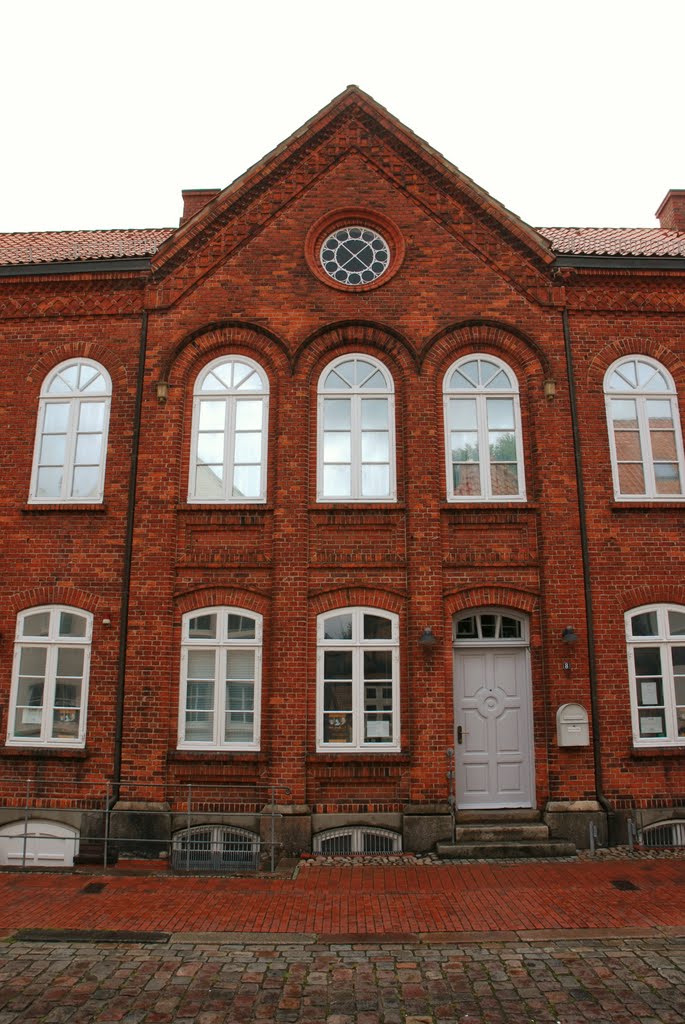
53 595
356 597
661 593
79 350
218 596
227 336
616 349
354 335
491 597
505 339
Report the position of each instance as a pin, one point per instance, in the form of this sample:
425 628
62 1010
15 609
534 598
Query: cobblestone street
241 980
385 943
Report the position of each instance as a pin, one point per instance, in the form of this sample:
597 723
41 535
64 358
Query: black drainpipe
126 573
589 617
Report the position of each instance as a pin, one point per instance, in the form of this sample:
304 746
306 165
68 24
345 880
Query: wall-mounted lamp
569 636
106 622
550 389
427 638
162 387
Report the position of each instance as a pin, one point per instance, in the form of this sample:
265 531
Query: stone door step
505 850
502 816
491 833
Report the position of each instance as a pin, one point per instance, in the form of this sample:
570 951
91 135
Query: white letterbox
573 729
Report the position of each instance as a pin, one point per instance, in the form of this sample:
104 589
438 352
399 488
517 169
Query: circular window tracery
355 255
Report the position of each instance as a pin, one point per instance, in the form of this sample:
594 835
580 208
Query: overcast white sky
568 112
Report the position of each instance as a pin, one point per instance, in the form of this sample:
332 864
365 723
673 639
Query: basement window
340 842
217 848
664 833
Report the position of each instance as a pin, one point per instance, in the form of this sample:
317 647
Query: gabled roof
169 245
66 246
355 100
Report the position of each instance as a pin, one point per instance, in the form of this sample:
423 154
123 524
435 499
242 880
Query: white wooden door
493 734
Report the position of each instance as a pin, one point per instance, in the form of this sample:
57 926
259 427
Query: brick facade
235 279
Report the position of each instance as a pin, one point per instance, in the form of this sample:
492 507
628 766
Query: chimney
671 213
194 199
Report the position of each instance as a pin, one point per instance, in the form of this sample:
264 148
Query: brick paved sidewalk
406 899
568 982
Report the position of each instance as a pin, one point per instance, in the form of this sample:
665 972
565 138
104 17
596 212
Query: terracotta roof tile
57 246
615 241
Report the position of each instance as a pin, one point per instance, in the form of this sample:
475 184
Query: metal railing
201 826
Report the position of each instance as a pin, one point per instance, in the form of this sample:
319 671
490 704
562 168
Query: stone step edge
505 851
523 832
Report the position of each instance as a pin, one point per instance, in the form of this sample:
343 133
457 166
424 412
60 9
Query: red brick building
352 495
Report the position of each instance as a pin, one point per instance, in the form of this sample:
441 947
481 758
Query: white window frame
219 646
485 641
355 395
52 643
230 397
481 395
665 642
75 401
357 645
640 395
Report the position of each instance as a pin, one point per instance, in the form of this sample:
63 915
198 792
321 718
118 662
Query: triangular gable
353 118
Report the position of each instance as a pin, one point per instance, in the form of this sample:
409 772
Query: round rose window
355 255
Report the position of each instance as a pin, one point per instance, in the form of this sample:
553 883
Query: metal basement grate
664 833
215 848
339 842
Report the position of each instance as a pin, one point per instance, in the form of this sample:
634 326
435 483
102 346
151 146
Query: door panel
494 761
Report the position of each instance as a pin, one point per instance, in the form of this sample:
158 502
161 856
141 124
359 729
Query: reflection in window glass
358 679
50 678
220 680
228 457
482 431
646 443
71 441
356 442
657 674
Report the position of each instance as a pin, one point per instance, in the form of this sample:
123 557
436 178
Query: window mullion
264 447
668 682
230 403
356 445
70 447
358 697
646 445
219 695
483 445
49 692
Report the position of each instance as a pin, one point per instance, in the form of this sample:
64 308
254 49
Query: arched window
71 437
221 664
644 430
483 431
50 678
356 431
358 680
361 839
230 416
656 665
